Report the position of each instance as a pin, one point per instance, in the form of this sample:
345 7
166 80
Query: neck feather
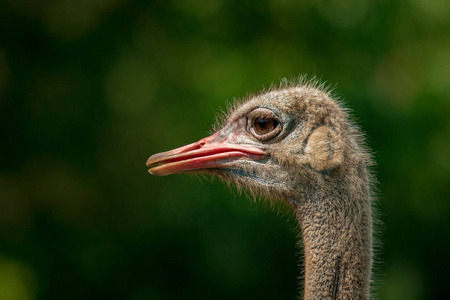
337 236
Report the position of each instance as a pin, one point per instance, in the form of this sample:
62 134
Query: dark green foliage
89 89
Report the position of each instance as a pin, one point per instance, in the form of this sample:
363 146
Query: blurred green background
90 89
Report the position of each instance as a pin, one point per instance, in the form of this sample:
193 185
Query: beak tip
158 172
149 162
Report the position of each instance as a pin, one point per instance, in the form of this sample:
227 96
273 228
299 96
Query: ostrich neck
337 237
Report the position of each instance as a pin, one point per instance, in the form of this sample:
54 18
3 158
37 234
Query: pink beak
207 153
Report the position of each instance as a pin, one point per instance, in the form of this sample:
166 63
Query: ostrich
295 143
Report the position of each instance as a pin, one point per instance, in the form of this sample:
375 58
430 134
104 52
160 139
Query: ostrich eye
263 124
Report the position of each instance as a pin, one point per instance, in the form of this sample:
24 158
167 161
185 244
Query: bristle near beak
205 154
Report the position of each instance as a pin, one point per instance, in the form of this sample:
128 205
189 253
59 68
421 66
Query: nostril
197 146
192 147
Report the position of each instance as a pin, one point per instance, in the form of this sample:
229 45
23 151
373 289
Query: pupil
265 125
262 123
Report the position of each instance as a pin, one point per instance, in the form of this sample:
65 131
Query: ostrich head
278 144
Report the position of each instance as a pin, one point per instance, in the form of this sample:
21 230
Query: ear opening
323 149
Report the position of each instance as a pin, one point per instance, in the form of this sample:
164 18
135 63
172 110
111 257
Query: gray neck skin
337 237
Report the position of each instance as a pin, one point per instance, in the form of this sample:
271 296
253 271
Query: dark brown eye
263 124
